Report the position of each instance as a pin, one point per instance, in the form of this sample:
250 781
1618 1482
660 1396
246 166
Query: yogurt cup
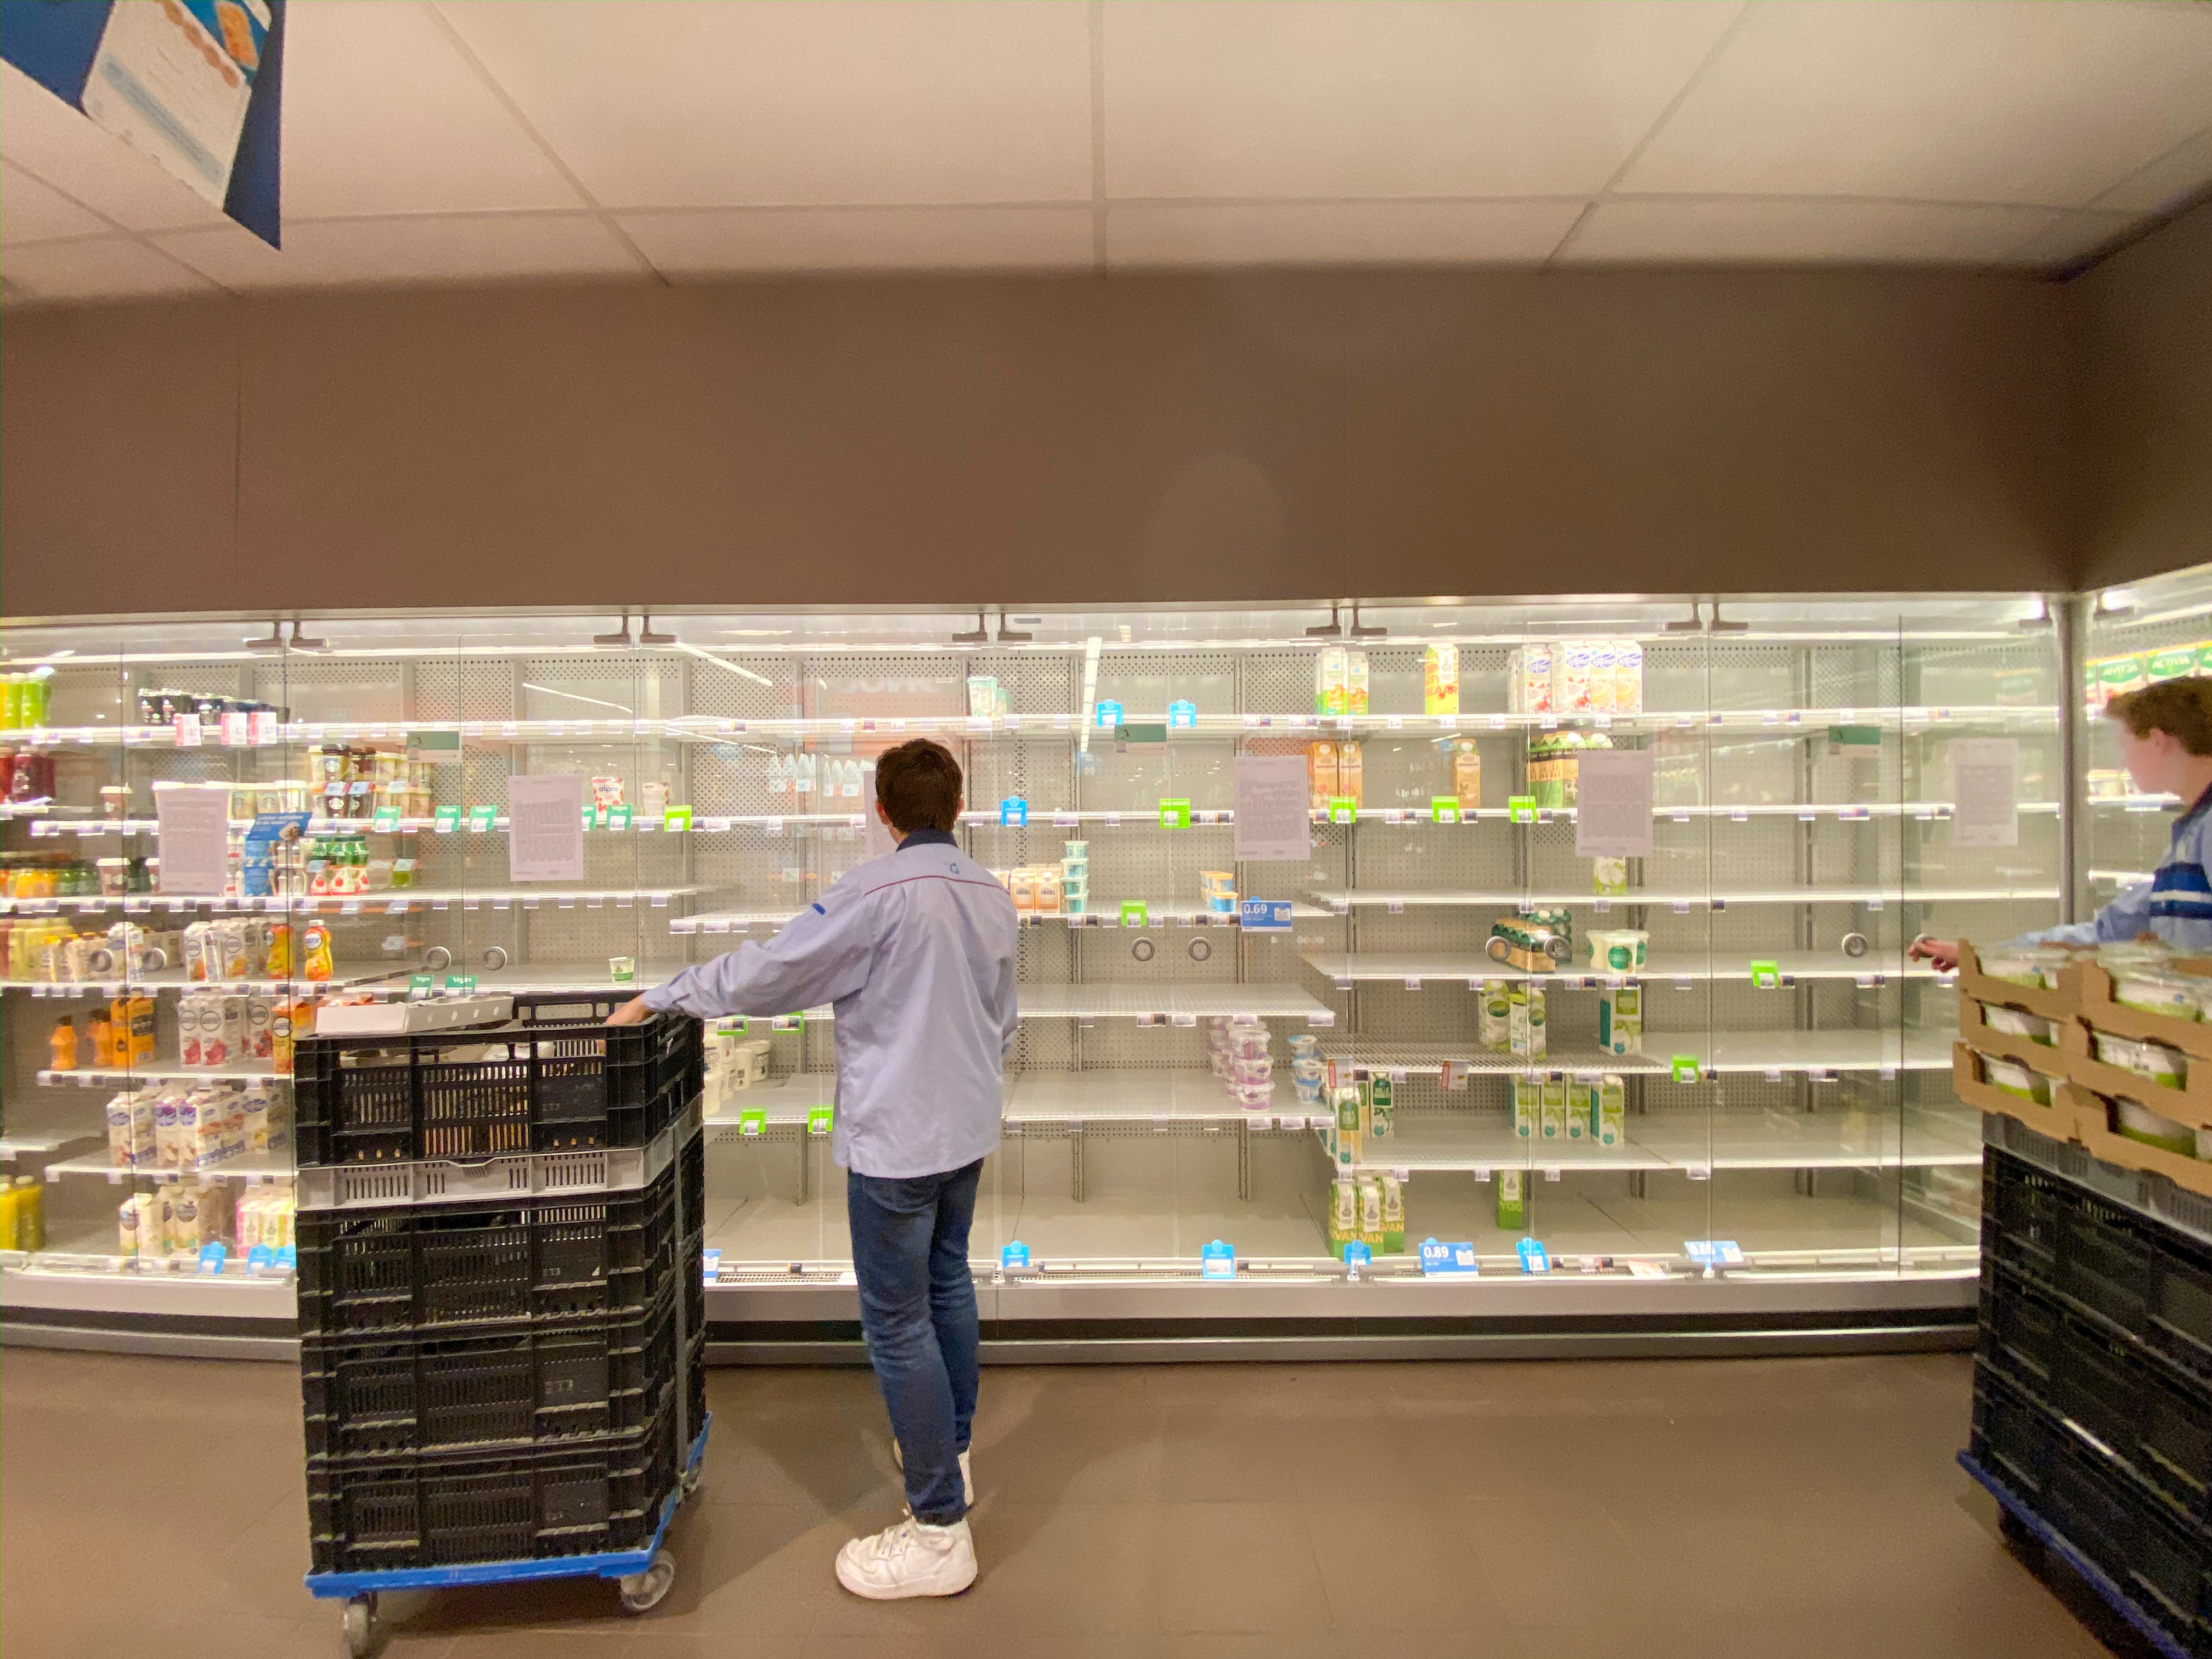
2156 993
2140 1123
2151 1060
2016 966
2013 1023
2016 1079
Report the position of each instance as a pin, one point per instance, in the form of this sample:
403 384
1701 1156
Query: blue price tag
710 1263
1217 1261
1714 1252
211 1257
260 1259
1356 1255
1448 1258
1014 1255
1265 915
1184 714
1533 1259
1013 811
288 1257
1109 712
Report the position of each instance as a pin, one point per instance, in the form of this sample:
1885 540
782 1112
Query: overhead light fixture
619 637
2114 600
2038 614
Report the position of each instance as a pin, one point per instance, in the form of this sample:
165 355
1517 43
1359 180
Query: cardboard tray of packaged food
1967 1082
1975 1032
2191 1104
1976 987
2091 1114
2092 993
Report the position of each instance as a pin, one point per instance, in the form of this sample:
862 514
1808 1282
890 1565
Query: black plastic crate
520 1387
534 1086
2129 1269
405 1269
2012 1436
435 1511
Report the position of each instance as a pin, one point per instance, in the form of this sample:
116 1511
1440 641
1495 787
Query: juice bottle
99 1030
10 1209
30 1213
63 1044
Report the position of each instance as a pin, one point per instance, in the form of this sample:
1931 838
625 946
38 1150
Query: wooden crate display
2091 1114
1976 987
1967 1083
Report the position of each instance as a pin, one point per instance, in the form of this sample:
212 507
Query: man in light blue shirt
915 952
2165 743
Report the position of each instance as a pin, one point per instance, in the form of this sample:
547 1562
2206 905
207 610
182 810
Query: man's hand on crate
633 1012
1943 952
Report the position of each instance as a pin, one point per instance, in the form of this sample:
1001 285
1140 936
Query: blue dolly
644 1574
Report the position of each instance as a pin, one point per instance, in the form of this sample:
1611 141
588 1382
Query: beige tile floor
1804 1508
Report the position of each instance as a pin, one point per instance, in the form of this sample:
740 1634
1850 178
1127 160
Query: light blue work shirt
2175 904
915 952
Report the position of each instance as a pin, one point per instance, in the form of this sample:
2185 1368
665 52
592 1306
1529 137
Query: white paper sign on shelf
545 827
194 827
1615 801
1985 782
1272 802
879 839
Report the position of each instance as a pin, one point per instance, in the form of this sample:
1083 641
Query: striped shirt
2175 905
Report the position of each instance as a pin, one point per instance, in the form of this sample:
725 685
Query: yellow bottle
30 1213
11 1208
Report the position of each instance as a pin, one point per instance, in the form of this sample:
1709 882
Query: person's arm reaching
2127 917
822 955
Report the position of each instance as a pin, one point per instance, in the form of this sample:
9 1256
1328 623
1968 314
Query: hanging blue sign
195 84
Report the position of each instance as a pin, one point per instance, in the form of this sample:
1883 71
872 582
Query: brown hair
918 786
2182 708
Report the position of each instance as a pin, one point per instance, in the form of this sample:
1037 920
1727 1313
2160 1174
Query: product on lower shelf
178 1219
24 1214
1239 1054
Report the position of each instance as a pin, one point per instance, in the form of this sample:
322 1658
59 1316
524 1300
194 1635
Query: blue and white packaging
1183 714
1109 712
1217 1261
1013 811
1265 915
1014 1254
1448 1258
1533 1259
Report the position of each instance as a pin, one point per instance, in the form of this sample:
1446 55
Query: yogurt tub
2156 993
2140 1123
2013 1023
2018 1080
2018 967
2151 1060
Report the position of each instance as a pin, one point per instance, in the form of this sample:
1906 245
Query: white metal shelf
1472 967
1181 915
164 1071
1339 899
1695 1142
1781 1052
13 1146
162 984
388 901
249 1167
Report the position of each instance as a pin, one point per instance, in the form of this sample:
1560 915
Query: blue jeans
918 1312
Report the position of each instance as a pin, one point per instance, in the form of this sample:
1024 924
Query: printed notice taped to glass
545 827
194 827
1985 781
1272 802
1615 800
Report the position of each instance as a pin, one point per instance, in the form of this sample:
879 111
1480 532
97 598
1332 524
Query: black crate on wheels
486 1092
2093 1390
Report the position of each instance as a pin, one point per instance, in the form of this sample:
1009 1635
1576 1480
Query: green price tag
448 820
618 818
1686 1068
752 1121
463 983
482 818
386 821
678 820
1174 814
1342 809
788 1023
594 819
1443 809
819 1119
1133 913
1766 975
418 987
1522 808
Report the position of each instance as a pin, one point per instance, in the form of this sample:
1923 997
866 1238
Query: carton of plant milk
1621 1019
1378 1110
1579 1091
1627 677
1329 669
1355 682
1609 1121
1524 1015
1394 1215
1551 1123
1321 774
1494 1025
1528 1103
1370 1213
1440 680
1511 1212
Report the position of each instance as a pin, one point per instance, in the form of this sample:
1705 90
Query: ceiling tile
654 104
2070 238
383 114
2171 182
2004 101
1681 231
47 138
489 247
1388 97
1336 233
30 212
109 268
711 244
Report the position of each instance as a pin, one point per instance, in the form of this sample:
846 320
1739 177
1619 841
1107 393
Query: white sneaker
911 1558
967 1475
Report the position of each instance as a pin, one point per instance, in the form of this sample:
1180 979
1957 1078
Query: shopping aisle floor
1797 1507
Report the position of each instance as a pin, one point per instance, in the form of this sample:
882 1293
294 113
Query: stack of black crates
2093 1381
501 1316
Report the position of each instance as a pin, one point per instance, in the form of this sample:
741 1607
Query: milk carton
1379 1111
1604 672
1330 669
1440 680
1527 1104
1321 774
130 1141
1350 773
1524 1015
1370 1213
1628 677
1570 678
1621 1019
1344 1214
1494 1027
1551 1122
1577 1107
1609 1118
1355 682
1512 1214
1528 679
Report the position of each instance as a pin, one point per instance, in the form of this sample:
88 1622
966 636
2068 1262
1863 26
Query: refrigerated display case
1246 1089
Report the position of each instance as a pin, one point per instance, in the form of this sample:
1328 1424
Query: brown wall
2146 331
1218 438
